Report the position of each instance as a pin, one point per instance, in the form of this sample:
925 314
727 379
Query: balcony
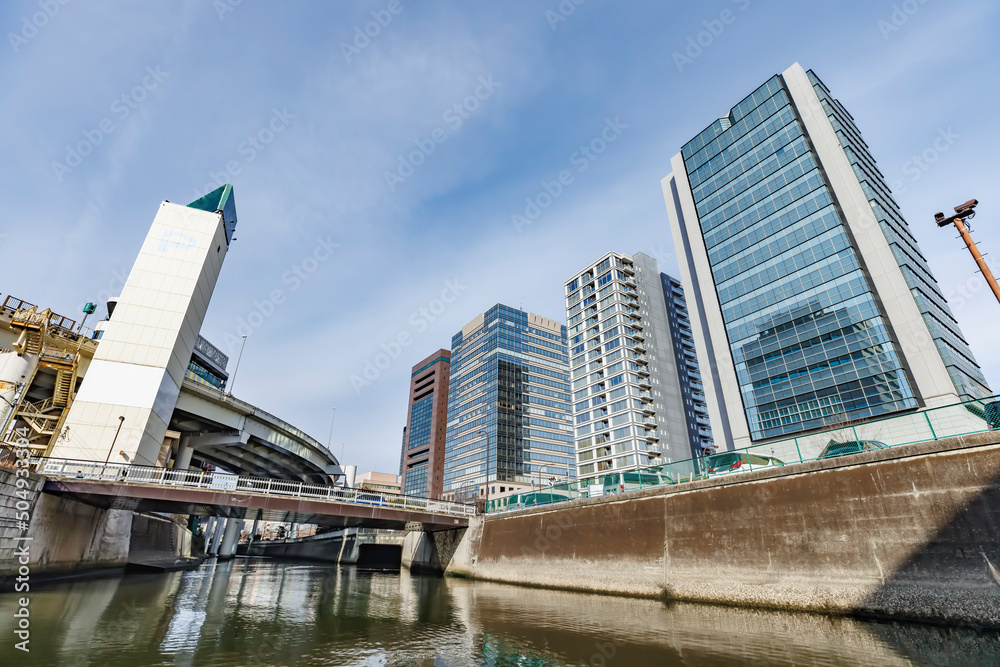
642 372
638 336
630 281
644 383
639 347
647 409
645 397
648 422
640 358
652 437
628 269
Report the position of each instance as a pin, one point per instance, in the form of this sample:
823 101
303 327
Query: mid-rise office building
378 481
509 413
804 281
637 393
422 466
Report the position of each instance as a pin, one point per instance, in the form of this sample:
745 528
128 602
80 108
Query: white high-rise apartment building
637 394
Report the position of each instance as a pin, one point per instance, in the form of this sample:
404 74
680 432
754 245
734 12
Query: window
420 422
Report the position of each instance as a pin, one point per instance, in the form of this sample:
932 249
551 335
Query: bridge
154 489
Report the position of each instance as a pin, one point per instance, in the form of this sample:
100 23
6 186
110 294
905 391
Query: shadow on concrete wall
963 559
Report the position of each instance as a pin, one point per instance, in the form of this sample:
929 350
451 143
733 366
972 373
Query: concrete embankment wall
911 532
69 538
66 537
158 539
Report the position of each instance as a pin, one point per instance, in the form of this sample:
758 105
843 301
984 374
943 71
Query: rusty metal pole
980 260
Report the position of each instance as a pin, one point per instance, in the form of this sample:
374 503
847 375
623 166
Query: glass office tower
806 285
509 391
637 393
422 461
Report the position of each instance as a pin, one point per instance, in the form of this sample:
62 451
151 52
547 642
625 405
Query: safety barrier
946 421
127 474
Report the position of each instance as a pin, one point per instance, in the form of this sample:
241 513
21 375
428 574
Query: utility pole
965 212
232 380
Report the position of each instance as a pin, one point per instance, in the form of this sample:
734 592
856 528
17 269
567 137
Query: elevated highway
235 435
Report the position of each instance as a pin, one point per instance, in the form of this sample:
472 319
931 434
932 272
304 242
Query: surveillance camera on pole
965 212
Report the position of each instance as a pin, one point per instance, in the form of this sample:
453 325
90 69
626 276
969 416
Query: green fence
926 425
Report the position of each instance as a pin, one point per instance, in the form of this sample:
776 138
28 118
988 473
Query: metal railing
126 474
947 421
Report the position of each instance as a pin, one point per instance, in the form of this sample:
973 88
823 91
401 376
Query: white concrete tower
136 374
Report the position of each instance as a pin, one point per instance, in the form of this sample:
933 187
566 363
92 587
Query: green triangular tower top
221 200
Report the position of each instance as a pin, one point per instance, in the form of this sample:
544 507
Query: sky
395 164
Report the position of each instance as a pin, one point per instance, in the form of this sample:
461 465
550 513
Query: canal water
259 612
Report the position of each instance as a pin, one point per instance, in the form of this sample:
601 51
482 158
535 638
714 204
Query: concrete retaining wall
911 532
66 537
158 540
70 538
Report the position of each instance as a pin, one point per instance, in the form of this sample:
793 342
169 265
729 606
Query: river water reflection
258 612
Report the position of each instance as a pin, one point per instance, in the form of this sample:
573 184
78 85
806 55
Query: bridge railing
123 473
946 421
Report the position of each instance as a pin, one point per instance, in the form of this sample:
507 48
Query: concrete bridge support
67 538
182 460
209 533
230 538
220 531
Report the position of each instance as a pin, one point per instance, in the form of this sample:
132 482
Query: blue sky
307 119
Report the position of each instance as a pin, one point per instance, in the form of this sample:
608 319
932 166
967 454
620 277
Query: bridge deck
147 489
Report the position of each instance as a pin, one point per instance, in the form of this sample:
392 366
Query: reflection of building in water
84 609
811 366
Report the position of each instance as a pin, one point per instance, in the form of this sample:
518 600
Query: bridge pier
431 552
220 529
182 460
230 538
209 532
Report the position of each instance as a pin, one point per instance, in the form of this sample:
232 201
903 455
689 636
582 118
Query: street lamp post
237 369
484 432
965 212
121 420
